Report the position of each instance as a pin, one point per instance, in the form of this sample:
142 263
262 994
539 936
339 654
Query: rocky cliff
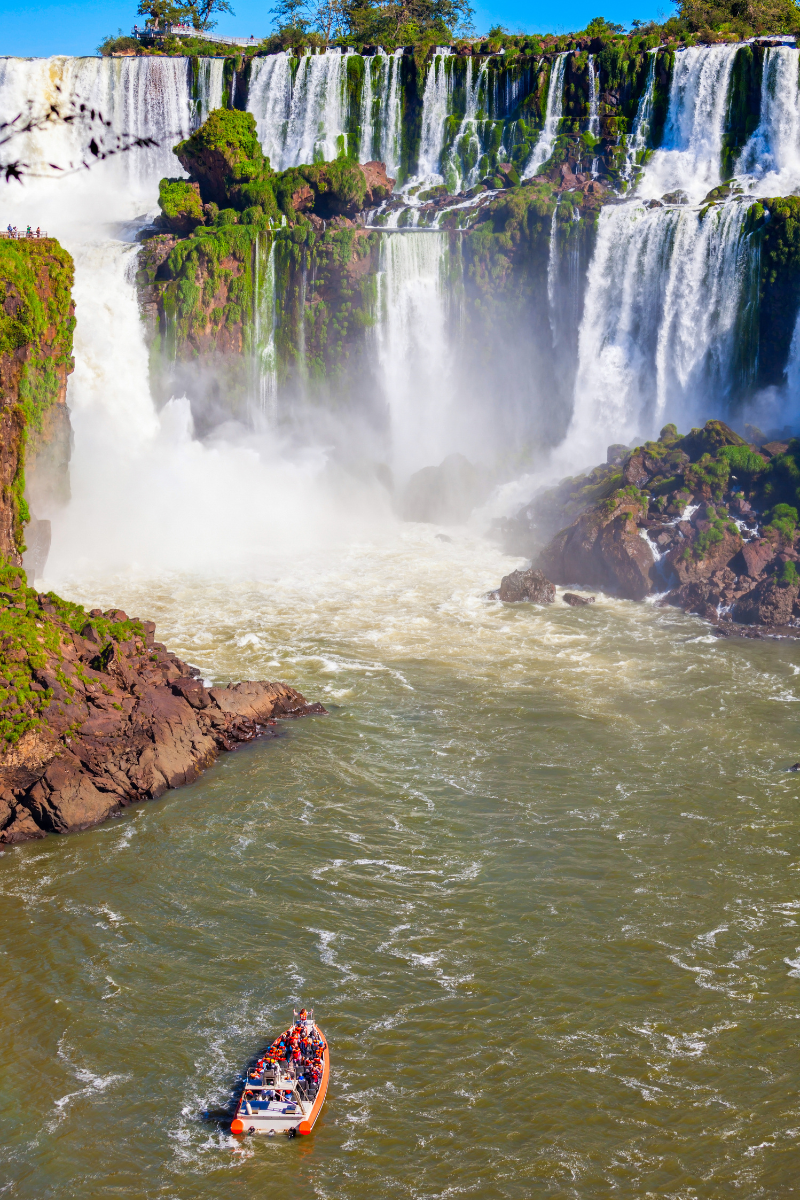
37 319
710 519
96 715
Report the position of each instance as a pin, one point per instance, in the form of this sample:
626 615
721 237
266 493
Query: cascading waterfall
414 347
466 148
265 311
304 121
640 133
664 307
392 130
210 75
555 106
689 158
141 97
435 108
269 99
365 144
594 98
771 158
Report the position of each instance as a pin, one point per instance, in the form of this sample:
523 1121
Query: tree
162 13
744 18
205 10
291 14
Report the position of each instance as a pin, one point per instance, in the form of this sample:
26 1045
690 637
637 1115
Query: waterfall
689 159
392 131
435 108
771 158
265 311
594 98
365 144
304 121
269 99
413 347
555 106
637 141
210 72
466 149
665 297
141 97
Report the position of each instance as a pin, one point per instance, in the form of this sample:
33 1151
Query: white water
141 97
435 108
467 140
304 121
415 350
555 106
657 338
639 135
391 125
771 159
264 325
689 159
209 85
594 98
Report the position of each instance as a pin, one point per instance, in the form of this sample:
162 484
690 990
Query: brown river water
537 873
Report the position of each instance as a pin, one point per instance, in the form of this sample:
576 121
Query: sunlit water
536 873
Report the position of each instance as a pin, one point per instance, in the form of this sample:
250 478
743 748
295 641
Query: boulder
754 557
689 566
379 185
603 549
769 603
577 601
530 586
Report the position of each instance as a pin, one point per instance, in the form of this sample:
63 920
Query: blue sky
40 28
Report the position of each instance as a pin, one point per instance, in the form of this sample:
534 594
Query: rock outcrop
709 519
530 586
604 549
37 317
95 715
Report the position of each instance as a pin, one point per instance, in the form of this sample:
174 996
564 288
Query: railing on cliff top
18 236
181 31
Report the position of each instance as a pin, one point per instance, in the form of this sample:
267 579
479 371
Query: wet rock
603 549
697 561
122 732
577 601
769 603
616 454
676 197
754 557
530 586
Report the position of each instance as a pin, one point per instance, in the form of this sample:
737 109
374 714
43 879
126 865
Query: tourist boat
280 1096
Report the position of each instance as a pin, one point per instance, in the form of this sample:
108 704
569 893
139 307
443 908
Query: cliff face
96 715
37 318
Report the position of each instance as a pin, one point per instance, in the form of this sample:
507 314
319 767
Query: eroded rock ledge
709 521
96 715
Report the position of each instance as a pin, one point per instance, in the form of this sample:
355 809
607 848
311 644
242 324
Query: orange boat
286 1089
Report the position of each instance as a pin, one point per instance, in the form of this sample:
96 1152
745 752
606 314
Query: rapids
535 871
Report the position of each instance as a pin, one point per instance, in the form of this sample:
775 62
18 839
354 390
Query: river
536 873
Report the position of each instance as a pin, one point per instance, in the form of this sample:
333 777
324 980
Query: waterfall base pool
536 873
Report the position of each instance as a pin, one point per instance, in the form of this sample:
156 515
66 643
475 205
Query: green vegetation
31 641
788 576
36 326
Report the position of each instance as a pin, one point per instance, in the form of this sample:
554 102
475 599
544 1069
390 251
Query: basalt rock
530 586
769 603
96 715
577 601
604 549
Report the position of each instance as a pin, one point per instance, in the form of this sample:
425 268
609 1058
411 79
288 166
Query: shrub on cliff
180 204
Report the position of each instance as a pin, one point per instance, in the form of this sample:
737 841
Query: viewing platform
186 31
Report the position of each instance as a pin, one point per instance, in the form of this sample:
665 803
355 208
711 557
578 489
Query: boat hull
269 1121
